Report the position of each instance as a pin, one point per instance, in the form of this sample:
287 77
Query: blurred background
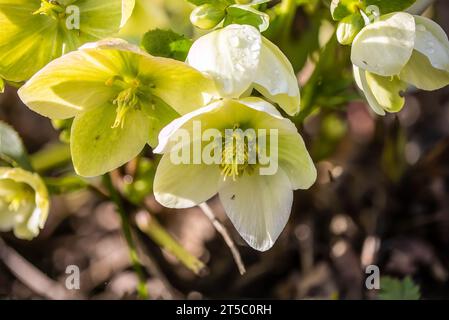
382 197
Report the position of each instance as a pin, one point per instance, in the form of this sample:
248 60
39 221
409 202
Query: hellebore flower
240 59
255 180
119 96
398 50
35 32
24 203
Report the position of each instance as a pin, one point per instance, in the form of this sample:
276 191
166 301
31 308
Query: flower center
126 100
16 197
51 8
238 154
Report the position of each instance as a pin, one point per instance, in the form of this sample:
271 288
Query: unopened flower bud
207 16
348 28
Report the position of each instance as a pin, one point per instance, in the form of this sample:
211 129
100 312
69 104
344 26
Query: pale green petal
295 161
276 78
384 47
184 185
230 55
421 74
179 85
382 93
28 42
432 41
97 148
388 91
160 115
77 81
71 84
258 206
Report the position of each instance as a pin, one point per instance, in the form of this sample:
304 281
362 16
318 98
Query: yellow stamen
51 8
235 157
126 100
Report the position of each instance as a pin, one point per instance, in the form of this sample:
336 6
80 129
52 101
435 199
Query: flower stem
286 17
151 227
51 157
126 228
420 6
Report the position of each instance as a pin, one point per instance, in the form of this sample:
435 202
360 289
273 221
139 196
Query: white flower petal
383 93
295 161
168 131
384 47
432 41
377 108
258 206
230 55
184 185
261 105
276 78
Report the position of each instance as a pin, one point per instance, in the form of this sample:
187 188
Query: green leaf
388 6
243 14
395 289
12 150
343 8
214 2
166 43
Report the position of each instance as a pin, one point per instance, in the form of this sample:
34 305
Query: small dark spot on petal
366 63
233 197
97 138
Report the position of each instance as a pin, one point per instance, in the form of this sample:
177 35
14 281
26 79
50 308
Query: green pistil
51 8
126 100
234 162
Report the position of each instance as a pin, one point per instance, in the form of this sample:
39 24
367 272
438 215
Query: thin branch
154 269
153 229
126 227
32 277
224 233
420 6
